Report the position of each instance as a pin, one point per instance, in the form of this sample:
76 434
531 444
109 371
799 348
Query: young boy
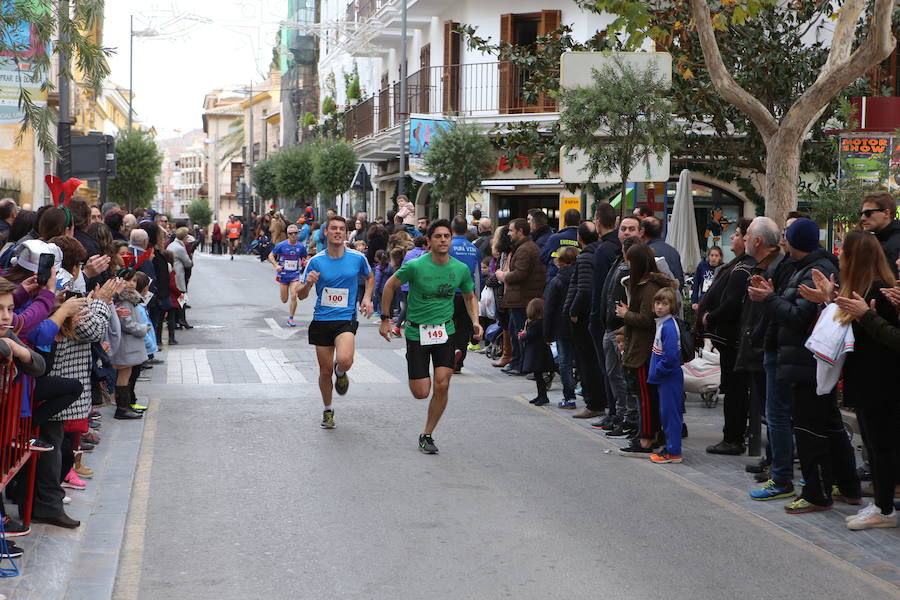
665 372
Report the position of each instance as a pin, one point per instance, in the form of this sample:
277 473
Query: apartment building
224 141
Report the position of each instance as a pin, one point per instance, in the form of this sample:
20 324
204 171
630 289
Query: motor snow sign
576 70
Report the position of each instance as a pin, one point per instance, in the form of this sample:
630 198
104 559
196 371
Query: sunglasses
293 232
868 212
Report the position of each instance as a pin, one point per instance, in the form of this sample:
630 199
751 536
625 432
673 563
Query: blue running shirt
290 257
337 285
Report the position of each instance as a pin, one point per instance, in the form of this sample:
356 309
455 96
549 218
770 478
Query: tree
459 158
783 134
264 177
627 107
138 163
334 166
28 28
199 212
294 173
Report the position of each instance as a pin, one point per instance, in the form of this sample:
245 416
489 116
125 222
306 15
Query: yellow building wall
17 162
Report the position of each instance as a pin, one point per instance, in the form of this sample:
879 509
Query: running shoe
864 513
473 347
139 407
802 505
291 322
341 382
772 491
73 481
35 445
426 444
327 420
839 497
566 404
14 527
12 551
665 458
634 448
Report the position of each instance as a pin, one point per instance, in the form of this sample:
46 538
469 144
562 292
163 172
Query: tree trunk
624 196
782 174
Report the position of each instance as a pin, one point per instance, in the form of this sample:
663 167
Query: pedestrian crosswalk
267 365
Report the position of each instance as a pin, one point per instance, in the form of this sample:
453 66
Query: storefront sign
567 202
865 156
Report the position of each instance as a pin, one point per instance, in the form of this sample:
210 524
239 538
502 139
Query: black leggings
53 395
541 384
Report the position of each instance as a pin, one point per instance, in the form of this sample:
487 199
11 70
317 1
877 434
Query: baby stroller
261 246
493 339
702 376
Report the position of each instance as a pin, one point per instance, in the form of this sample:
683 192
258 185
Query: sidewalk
874 551
82 563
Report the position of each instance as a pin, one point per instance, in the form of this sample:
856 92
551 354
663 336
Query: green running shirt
431 290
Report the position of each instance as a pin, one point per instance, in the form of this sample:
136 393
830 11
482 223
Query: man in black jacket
613 292
608 250
537 225
826 456
877 216
721 316
578 308
485 237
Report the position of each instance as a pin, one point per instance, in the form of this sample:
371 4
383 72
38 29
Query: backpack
686 341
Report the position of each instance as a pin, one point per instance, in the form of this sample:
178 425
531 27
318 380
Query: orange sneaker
665 458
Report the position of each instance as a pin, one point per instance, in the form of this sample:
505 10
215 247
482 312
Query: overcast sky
173 73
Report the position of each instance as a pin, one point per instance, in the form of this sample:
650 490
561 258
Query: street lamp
131 35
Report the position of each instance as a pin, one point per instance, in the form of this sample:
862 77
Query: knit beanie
803 235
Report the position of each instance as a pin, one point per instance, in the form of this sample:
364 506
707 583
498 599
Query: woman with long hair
501 250
870 372
644 280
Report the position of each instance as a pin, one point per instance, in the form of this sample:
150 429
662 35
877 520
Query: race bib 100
429 335
335 297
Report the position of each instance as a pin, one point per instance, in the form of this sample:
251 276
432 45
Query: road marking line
365 370
290 371
259 365
131 559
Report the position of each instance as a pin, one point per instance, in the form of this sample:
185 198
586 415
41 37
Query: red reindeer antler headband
61 191
130 262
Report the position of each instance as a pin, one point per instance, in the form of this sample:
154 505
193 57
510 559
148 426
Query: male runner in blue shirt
288 257
334 272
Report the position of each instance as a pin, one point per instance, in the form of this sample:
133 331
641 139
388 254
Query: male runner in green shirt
433 279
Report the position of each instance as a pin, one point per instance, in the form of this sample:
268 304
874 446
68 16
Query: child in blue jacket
665 372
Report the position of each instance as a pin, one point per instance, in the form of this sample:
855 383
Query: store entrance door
517 206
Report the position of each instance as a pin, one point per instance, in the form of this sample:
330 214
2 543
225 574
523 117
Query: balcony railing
465 90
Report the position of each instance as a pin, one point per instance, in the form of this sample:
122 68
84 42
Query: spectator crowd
85 292
798 334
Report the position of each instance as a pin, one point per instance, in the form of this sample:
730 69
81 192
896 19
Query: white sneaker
863 513
67 500
873 521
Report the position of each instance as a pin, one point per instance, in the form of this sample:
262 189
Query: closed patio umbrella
682 231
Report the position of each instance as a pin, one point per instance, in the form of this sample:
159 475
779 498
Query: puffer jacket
753 321
579 296
557 325
889 237
131 349
613 293
640 320
796 317
525 278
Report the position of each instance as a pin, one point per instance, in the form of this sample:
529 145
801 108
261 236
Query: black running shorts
419 358
323 333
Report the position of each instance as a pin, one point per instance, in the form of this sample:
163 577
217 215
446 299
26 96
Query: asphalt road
239 493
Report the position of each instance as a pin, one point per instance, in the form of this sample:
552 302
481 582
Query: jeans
376 304
779 419
565 350
597 338
516 324
624 397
